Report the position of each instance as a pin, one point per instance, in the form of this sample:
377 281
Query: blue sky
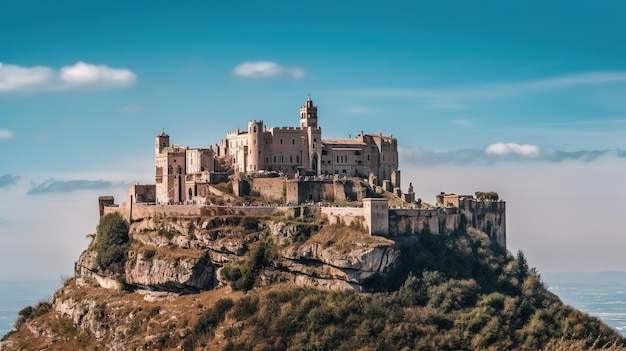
525 98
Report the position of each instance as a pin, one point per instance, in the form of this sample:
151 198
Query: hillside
227 282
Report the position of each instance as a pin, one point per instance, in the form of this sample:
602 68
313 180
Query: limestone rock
181 274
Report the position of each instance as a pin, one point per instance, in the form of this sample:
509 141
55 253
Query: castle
292 166
291 151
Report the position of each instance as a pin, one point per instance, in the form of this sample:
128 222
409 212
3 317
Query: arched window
170 170
179 169
255 129
297 159
291 159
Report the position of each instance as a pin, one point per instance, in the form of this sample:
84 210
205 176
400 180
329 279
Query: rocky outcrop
181 274
184 254
352 268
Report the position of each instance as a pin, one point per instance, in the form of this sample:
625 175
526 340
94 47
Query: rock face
184 254
183 275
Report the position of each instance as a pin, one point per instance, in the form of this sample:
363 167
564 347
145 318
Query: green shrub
112 242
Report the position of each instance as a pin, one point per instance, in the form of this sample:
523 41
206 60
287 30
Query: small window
281 141
293 141
297 159
290 159
274 159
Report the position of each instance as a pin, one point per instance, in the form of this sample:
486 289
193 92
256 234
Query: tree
112 242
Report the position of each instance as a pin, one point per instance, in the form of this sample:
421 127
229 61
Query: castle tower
308 114
162 141
376 213
255 146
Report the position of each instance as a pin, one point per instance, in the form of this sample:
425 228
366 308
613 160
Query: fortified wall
453 212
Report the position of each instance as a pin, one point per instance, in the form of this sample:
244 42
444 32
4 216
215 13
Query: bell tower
308 114
162 141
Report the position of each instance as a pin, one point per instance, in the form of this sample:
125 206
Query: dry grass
144 324
576 345
344 238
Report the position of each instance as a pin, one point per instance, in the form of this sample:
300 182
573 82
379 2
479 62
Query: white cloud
448 98
499 153
506 149
6 134
266 69
15 78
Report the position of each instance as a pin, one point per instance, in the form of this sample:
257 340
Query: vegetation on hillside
112 242
458 292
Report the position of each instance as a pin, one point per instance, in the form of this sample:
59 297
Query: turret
162 141
255 146
308 114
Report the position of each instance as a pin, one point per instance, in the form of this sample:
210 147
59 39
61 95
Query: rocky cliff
251 283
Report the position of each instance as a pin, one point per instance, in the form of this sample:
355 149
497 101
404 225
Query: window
170 169
267 159
274 159
368 157
293 141
281 141
297 159
255 129
337 159
179 170
290 159
254 142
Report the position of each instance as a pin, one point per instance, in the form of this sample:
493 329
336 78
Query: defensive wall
485 215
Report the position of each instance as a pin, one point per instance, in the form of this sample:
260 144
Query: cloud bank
6 134
8 180
15 78
266 69
498 153
67 186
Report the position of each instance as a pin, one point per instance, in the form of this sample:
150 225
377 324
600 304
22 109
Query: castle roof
343 142
162 134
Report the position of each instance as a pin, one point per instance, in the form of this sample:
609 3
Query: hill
225 282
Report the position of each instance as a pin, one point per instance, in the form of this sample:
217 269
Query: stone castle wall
345 215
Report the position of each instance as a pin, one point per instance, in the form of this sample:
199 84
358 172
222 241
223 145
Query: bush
112 242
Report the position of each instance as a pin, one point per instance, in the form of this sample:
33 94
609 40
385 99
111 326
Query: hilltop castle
290 166
292 151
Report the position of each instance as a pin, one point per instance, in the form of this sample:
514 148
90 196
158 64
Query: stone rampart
273 188
344 215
